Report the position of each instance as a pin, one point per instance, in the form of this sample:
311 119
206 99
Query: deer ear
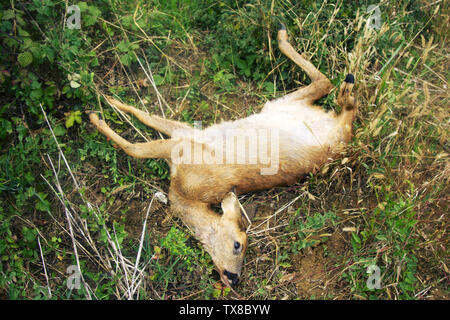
230 207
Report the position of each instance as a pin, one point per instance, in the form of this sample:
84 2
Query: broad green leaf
59 131
123 46
8 14
25 58
74 84
70 120
125 59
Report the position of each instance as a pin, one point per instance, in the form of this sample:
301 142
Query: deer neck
204 224
198 217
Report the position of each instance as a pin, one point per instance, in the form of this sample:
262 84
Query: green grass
69 197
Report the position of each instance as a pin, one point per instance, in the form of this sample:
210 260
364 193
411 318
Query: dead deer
305 137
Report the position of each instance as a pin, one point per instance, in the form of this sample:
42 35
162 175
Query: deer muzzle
232 278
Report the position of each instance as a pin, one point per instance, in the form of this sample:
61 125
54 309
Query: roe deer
302 137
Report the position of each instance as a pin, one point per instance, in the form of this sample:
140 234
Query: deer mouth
230 278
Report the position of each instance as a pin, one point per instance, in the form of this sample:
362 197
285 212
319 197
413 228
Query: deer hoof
349 78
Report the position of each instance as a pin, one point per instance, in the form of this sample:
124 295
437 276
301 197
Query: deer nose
233 278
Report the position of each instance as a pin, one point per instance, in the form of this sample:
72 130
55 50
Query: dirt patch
133 213
316 274
338 245
311 270
439 294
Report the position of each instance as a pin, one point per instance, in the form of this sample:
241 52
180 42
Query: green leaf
72 118
69 121
89 20
125 59
92 17
29 235
158 79
74 84
42 204
356 238
94 62
103 235
25 58
123 46
51 90
22 32
269 87
216 293
83 6
241 64
8 14
37 52
5 128
65 89
59 131
94 11
127 21
77 116
36 94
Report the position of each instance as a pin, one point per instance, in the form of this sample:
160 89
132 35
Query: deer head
231 241
223 236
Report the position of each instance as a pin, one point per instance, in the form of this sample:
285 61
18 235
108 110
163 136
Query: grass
70 198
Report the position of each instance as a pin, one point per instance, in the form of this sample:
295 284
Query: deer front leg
165 126
154 149
320 85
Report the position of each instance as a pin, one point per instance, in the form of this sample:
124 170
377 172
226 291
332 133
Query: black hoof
282 26
349 78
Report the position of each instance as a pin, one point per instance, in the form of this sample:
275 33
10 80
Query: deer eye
237 245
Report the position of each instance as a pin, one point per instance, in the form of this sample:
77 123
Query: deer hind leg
349 105
345 98
165 126
154 149
320 85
